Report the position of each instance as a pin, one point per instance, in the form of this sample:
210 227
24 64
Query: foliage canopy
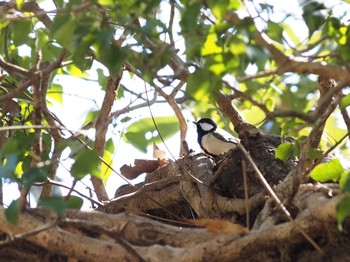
144 57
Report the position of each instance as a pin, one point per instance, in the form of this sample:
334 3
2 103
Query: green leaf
7 170
107 2
12 212
189 18
55 93
210 46
275 31
329 171
203 85
74 202
344 182
21 30
63 29
313 18
11 146
270 105
345 102
333 131
136 132
314 153
57 204
110 146
291 33
342 211
125 119
86 162
33 175
102 78
92 115
284 151
19 4
106 171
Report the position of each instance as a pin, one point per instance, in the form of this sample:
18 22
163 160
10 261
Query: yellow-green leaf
106 171
329 171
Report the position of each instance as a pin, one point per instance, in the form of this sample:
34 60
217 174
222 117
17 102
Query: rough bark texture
192 187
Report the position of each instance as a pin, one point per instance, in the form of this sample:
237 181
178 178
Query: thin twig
275 197
27 234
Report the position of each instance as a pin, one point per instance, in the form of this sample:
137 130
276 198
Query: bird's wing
224 136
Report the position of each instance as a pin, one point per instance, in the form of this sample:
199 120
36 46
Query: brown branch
14 69
325 108
16 91
128 109
182 121
276 199
47 69
299 66
32 6
346 118
37 149
63 242
153 240
242 79
225 104
270 115
171 101
102 123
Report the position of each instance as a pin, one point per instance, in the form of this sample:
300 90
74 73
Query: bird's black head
205 125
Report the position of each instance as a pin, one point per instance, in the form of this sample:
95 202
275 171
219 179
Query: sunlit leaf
106 171
56 93
143 132
333 131
329 171
210 46
345 102
110 146
106 2
19 4
269 103
75 71
254 115
12 212
292 33
284 151
203 85
92 115
86 162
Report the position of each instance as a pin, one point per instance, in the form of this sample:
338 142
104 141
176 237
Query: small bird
213 140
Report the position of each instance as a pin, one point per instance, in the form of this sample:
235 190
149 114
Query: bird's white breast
215 146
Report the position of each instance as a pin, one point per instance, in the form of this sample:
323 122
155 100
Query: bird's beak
194 122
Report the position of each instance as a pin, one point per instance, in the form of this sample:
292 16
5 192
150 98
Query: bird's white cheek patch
206 126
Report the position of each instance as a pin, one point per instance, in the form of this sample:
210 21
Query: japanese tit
213 140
